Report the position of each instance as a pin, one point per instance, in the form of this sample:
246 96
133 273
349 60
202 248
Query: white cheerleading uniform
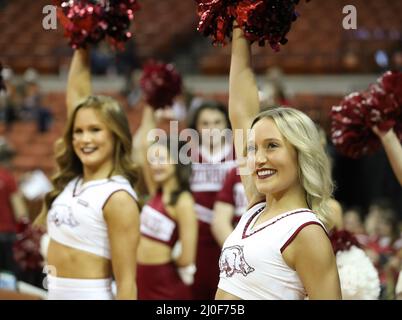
76 220
251 262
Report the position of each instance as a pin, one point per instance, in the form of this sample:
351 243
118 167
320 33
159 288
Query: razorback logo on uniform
61 214
232 261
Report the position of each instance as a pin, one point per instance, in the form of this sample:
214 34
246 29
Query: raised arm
79 80
243 103
393 149
141 145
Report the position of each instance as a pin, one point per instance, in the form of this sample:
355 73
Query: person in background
167 220
12 209
353 223
212 159
230 204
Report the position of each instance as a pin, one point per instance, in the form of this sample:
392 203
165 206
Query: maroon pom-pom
216 19
262 21
342 240
88 21
27 247
391 82
2 84
160 83
353 119
349 132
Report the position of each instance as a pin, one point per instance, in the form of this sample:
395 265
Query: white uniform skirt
79 289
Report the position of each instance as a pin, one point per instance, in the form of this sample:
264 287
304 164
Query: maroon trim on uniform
244 236
107 199
256 204
94 183
293 236
164 211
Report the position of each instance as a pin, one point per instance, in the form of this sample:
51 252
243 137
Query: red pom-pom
342 240
353 119
160 83
27 247
391 82
216 19
88 22
350 134
262 21
2 84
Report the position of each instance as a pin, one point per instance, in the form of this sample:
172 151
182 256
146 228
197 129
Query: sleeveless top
157 224
251 263
75 218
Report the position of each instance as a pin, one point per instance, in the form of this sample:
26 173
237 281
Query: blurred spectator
101 59
384 246
397 59
132 89
273 91
9 100
353 222
12 209
32 107
127 62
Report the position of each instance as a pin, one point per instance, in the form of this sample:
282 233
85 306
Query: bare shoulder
311 233
185 200
120 203
309 244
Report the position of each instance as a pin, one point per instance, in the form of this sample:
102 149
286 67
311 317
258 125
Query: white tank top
75 218
251 263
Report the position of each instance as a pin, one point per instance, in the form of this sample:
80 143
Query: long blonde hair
69 165
313 162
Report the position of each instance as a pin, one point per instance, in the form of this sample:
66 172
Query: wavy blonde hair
313 162
69 165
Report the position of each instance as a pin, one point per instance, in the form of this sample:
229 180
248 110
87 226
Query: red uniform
8 186
233 193
162 281
207 180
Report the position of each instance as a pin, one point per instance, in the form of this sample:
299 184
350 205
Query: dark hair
208 105
182 171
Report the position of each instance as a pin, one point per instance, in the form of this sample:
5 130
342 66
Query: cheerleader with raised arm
280 248
92 215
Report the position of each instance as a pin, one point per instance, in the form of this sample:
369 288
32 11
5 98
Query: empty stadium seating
317 42
159 27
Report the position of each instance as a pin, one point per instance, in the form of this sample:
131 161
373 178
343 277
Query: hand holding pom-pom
216 19
89 22
160 83
262 21
350 133
379 107
391 82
